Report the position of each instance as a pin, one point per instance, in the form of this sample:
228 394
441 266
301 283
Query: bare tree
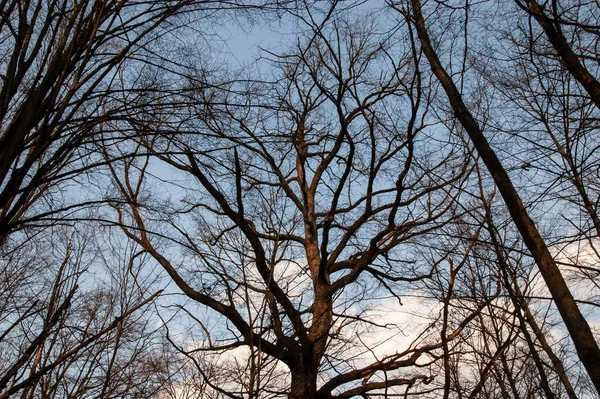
328 223
555 138
69 69
60 71
66 331
303 201
580 332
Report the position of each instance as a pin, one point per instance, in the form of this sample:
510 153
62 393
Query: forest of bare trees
299 199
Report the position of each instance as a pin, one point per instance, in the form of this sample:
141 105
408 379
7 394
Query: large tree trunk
304 384
579 329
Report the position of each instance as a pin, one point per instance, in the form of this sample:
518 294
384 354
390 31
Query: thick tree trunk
304 384
576 324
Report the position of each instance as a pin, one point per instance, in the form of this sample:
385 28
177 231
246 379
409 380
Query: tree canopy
390 199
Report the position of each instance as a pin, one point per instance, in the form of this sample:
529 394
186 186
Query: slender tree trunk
591 85
568 57
579 329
